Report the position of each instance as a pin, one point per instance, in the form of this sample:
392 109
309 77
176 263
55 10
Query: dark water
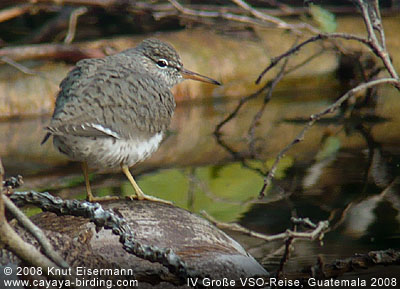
345 171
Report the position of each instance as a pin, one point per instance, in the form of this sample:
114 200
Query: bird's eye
162 63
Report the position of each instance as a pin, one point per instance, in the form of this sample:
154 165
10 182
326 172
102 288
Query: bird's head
161 59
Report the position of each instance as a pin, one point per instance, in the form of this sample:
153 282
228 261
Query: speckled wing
99 98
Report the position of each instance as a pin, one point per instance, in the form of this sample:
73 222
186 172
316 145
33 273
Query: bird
113 112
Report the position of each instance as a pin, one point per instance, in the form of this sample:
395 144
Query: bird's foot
92 199
148 198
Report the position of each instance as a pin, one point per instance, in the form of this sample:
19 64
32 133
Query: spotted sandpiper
112 112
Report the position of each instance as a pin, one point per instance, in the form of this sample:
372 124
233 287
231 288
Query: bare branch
73 20
110 221
341 266
14 243
321 36
315 117
93 3
267 18
18 66
317 233
242 101
259 18
271 86
285 256
27 224
13 12
49 51
372 10
215 14
25 251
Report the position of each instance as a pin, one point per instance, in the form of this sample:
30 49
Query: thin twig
110 221
304 222
36 232
215 14
285 257
321 36
25 251
315 117
24 69
73 20
378 23
13 12
379 48
258 19
305 61
271 86
162 9
316 233
242 101
18 66
267 18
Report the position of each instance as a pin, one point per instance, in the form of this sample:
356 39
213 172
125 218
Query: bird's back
115 94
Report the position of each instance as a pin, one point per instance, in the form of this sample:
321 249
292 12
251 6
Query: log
202 246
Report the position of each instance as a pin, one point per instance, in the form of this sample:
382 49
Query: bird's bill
187 74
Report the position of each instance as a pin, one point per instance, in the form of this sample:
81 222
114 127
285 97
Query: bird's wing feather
84 129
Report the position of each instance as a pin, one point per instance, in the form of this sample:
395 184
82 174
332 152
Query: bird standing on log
113 112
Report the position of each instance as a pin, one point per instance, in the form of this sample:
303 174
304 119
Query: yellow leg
85 169
89 194
138 192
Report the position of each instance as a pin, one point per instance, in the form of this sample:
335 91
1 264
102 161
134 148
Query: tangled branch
110 221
